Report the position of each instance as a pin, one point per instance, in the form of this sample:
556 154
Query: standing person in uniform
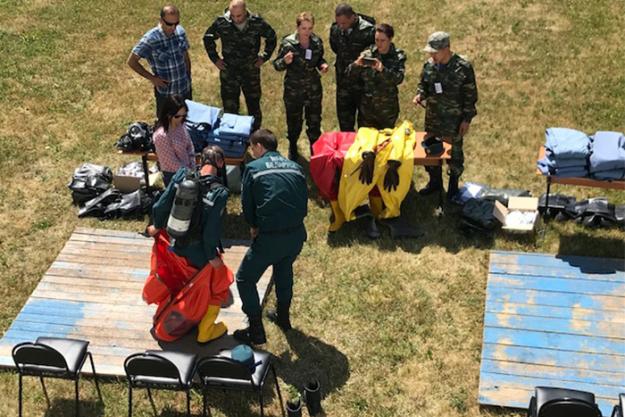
239 66
448 91
202 243
274 199
166 49
350 34
301 55
172 142
380 69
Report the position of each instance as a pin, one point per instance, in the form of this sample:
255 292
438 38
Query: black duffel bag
89 181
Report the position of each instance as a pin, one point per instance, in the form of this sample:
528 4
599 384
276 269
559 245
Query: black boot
293 152
281 316
435 183
452 188
254 334
312 396
294 408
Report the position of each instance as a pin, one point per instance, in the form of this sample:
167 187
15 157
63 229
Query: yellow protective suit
388 144
403 141
352 192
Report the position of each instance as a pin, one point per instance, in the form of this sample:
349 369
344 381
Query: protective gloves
391 179
366 168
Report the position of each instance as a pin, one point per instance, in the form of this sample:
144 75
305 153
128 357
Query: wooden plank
553 356
109 240
555 272
136 285
558 373
576 326
570 313
550 284
555 299
545 340
585 264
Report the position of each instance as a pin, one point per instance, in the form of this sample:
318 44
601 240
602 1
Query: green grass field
390 328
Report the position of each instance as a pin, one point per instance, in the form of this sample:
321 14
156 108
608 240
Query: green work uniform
274 199
379 105
347 45
302 86
450 92
202 242
240 49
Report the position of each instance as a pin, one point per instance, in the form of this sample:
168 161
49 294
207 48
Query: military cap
436 42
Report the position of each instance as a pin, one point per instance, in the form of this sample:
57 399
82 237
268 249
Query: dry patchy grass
390 328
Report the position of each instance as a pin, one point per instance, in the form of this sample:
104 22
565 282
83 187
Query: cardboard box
509 217
126 183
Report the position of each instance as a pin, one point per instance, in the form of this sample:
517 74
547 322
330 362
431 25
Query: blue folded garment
201 113
234 124
614 174
544 166
608 152
555 162
571 172
567 143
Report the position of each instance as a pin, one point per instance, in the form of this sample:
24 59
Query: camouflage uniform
240 49
347 45
379 105
302 86
445 111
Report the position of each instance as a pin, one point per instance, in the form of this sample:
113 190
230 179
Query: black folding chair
53 358
161 370
221 372
562 402
619 410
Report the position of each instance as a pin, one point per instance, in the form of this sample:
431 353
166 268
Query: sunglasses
171 24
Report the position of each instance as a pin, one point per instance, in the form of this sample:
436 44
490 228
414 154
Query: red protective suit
328 155
183 293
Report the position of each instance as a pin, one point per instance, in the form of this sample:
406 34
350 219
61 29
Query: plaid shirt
166 57
174 149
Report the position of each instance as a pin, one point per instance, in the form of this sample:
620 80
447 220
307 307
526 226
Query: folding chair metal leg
151 400
129 400
45 391
188 404
77 401
260 399
275 378
95 377
19 396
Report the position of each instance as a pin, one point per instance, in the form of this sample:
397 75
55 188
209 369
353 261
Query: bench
579 181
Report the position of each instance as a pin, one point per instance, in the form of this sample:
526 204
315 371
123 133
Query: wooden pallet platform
553 321
92 291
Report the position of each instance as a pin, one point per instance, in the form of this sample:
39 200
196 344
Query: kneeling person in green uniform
274 198
201 244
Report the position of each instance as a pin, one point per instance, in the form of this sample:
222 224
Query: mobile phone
369 61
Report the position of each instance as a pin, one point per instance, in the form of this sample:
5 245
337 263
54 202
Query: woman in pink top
174 148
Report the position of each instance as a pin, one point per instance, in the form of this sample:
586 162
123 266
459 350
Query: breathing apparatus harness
185 218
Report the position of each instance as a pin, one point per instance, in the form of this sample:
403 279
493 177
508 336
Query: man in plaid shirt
166 49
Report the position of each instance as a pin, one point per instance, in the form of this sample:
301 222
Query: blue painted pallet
92 291
553 321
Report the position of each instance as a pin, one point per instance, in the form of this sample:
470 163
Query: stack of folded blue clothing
607 160
232 134
201 119
566 153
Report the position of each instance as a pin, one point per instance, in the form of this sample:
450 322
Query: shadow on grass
311 359
593 244
438 228
64 407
